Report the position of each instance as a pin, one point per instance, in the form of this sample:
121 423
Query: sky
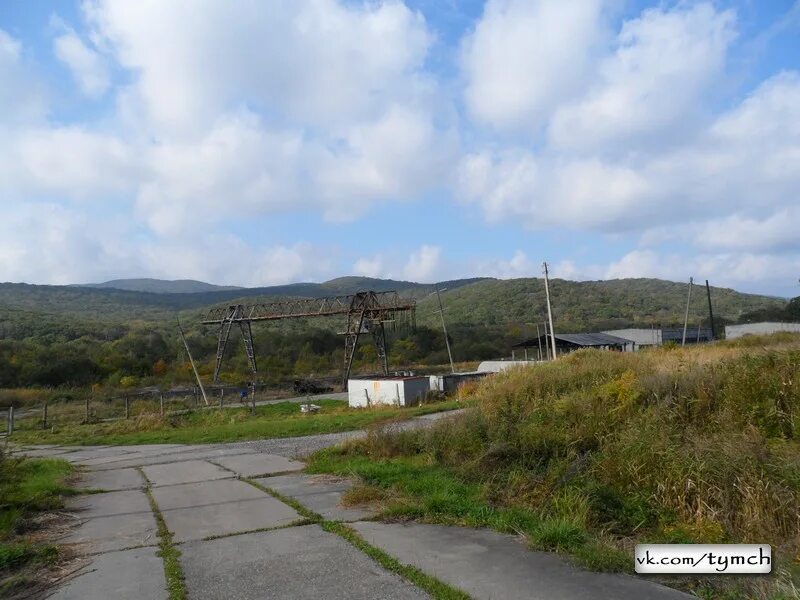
260 142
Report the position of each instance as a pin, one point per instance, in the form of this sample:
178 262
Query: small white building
736 331
395 391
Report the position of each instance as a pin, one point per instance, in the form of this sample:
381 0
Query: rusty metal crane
366 312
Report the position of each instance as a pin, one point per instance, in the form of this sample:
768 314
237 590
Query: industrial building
569 342
736 331
694 335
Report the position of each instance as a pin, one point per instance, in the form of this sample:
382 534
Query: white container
394 391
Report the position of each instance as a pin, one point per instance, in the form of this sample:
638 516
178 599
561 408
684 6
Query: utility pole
549 310
191 360
444 328
710 310
686 317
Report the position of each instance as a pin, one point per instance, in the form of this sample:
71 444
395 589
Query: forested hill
78 336
577 305
108 304
586 305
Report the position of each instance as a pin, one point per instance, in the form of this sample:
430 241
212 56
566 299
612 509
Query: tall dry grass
699 444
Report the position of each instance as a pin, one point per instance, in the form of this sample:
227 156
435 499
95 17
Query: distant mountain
160 286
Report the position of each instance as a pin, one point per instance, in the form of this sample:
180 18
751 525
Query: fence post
221 397
161 402
87 409
10 420
127 407
44 415
253 403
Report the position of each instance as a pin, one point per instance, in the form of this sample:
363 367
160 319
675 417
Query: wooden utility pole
549 309
686 316
191 361
710 310
444 328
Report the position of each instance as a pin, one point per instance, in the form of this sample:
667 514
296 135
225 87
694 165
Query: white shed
396 391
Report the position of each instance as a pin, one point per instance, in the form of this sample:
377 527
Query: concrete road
237 540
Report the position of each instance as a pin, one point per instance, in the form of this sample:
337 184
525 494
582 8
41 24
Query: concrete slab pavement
126 575
103 534
112 480
222 507
320 493
489 565
110 504
259 464
188 471
298 563
168 457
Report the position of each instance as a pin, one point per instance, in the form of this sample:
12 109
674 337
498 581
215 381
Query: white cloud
653 85
392 157
322 62
423 264
745 162
68 161
22 100
749 270
237 170
543 191
50 243
88 68
370 267
242 112
526 56
252 266
519 265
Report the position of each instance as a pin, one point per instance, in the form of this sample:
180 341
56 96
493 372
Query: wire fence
136 404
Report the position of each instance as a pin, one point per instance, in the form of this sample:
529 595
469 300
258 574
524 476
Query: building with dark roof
569 342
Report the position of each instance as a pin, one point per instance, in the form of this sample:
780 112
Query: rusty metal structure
366 312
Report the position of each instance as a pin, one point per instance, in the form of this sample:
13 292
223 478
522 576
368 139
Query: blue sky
268 142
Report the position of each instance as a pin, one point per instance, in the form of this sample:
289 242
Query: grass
211 426
424 491
168 551
599 451
28 487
